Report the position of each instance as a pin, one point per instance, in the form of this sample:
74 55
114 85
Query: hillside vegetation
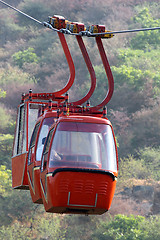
32 57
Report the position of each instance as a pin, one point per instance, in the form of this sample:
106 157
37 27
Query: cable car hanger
58 94
108 73
92 31
63 26
91 72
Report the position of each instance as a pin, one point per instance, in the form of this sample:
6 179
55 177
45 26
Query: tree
37 9
14 204
132 168
144 40
15 82
151 158
6 121
6 143
137 68
131 227
26 56
9 31
15 76
145 128
2 94
5 180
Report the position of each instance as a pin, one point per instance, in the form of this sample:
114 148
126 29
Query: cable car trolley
65 152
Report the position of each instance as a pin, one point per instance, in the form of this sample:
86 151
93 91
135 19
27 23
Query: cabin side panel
19 172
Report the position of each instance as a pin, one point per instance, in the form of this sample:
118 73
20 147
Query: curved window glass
42 136
46 150
32 143
85 145
33 115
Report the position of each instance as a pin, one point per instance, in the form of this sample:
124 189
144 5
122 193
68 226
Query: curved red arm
70 82
91 72
108 73
70 63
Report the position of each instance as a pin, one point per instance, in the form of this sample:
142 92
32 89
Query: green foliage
130 75
15 232
146 128
130 168
79 227
2 94
55 227
13 75
143 39
26 56
5 180
151 158
139 69
145 166
49 227
140 58
39 10
9 30
128 228
150 227
6 143
16 205
5 119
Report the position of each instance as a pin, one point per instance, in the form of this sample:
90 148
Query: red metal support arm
70 64
90 69
108 73
54 95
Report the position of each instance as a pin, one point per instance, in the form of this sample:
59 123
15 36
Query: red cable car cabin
79 166
35 152
27 116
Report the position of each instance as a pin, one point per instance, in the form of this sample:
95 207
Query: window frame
47 144
32 144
